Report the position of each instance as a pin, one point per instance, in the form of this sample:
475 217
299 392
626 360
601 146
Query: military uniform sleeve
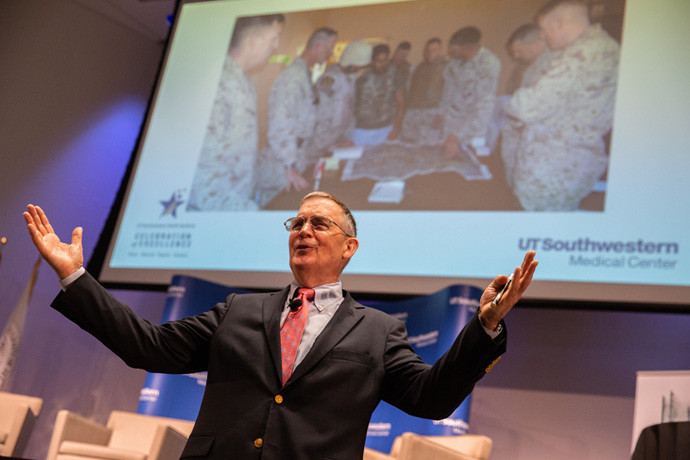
546 98
283 100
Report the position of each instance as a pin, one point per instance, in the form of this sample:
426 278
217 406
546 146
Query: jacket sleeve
176 347
434 392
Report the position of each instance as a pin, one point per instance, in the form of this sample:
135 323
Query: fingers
29 222
498 283
76 236
529 273
529 265
36 237
522 277
33 222
528 258
527 261
30 215
44 220
39 220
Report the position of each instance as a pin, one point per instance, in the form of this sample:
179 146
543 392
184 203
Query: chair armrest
371 454
87 451
473 445
414 446
22 423
168 444
73 427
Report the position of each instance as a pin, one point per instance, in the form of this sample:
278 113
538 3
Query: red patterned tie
291 332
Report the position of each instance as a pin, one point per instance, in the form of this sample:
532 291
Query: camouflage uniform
565 115
403 72
536 70
469 95
224 177
510 134
375 101
423 104
335 112
291 122
514 80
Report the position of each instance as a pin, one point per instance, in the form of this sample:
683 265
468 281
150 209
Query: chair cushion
82 449
3 437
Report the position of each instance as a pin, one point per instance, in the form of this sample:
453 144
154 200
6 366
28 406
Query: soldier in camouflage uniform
224 177
292 108
566 114
379 101
421 124
528 51
524 46
335 112
469 91
399 61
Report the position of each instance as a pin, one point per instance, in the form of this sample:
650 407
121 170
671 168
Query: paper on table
387 192
348 153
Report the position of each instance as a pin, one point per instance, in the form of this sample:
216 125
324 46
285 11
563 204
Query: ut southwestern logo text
587 252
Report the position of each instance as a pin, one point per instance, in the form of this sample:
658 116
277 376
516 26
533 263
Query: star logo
170 206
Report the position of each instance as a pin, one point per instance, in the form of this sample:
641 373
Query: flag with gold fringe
11 337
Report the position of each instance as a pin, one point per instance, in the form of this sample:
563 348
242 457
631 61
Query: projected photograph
434 105
460 135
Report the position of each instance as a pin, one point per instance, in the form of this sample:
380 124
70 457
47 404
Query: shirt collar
324 295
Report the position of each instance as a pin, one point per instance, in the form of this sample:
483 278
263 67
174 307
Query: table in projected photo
399 176
396 161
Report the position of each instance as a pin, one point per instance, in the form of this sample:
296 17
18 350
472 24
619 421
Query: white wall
544 425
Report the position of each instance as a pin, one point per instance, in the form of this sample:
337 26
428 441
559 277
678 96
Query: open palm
64 258
522 277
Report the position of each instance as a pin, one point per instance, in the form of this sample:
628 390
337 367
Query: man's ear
350 248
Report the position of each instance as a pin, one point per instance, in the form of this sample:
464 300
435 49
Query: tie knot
306 293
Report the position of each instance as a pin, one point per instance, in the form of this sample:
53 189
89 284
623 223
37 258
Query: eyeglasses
317 223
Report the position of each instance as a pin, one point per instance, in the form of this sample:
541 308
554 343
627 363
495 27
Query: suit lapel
347 316
272 307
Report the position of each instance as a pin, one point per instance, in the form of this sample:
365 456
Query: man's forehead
276 28
330 42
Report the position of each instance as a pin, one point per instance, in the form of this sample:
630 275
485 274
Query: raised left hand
489 315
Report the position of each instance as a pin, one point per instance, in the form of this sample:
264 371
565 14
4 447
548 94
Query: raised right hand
64 258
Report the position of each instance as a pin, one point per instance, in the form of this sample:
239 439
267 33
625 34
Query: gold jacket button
491 366
258 442
279 399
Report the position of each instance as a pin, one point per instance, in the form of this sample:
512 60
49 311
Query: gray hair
350 223
320 35
526 33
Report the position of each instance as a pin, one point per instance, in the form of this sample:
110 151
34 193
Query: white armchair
126 436
373 454
17 416
411 446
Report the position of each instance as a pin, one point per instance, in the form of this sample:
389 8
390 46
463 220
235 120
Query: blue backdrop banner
433 322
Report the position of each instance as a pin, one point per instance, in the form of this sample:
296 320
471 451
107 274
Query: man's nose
306 225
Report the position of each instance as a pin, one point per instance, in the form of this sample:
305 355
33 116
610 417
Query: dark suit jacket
664 441
323 411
